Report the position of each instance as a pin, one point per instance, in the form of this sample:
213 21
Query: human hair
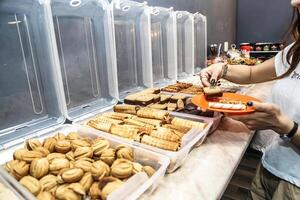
293 54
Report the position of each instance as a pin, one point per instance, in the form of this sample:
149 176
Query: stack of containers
185 44
33 100
200 28
164 45
133 45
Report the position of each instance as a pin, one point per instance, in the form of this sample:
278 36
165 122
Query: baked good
229 106
124 152
39 167
188 123
163 144
121 168
212 92
158 106
32 184
87 181
129 109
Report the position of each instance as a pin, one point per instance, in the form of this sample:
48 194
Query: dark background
238 21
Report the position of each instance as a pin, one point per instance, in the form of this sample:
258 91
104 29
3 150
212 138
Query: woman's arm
241 74
244 74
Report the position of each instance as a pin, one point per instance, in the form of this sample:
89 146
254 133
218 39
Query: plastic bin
200 28
164 45
185 44
8 189
133 45
84 35
177 158
134 187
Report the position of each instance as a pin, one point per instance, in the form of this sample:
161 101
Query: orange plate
202 102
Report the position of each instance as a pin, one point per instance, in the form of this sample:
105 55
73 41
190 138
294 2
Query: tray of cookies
71 162
155 130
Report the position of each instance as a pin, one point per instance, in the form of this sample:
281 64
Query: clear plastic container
163 41
9 189
30 77
133 188
200 28
192 138
133 45
185 44
85 41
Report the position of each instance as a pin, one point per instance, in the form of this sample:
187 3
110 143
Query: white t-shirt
282 158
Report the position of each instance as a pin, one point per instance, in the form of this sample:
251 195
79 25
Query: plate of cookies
214 99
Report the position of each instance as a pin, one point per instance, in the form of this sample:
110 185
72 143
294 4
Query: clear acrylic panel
163 39
185 43
84 35
29 92
133 45
200 29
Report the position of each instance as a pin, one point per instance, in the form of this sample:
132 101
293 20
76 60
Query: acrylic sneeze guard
133 45
200 28
164 45
185 44
84 35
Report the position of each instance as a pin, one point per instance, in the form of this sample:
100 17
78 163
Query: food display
73 167
145 125
185 88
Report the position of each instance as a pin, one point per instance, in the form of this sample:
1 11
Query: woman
279 175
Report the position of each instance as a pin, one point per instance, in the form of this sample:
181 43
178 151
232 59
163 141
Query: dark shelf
263 52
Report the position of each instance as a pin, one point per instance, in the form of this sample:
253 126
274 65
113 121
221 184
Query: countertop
208 169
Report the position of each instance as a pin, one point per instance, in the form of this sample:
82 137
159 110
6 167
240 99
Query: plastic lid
163 42
133 45
185 43
84 36
200 45
29 90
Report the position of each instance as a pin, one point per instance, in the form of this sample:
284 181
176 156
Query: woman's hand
212 74
266 116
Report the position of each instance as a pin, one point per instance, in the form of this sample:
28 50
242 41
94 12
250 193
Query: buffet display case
164 45
200 28
85 41
133 45
185 44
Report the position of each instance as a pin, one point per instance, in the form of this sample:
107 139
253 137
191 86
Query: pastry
99 146
62 146
49 144
188 123
152 114
158 106
87 181
176 97
77 188
137 123
99 170
110 187
72 175
117 116
181 129
19 169
163 144
57 164
129 109
18 154
94 191
29 156
48 183
151 91
124 152
165 98
39 168
149 170
212 92
100 126
32 184
108 156
227 106
43 150
70 156
83 152
79 143
121 131
31 144
172 106
165 134
121 168
52 156
152 122
45 196
72 136
64 193
102 119
84 164
180 104
60 136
